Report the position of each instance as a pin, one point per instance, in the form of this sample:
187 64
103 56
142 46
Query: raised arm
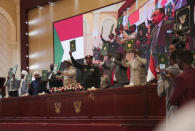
143 61
102 39
77 65
59 77
128 37
125 63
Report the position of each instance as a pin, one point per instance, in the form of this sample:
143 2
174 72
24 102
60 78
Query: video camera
180 37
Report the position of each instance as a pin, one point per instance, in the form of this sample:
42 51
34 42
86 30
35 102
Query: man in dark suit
159 38
37 86
90 73
53 82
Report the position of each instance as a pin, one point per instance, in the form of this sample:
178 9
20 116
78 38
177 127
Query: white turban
24 72
36 73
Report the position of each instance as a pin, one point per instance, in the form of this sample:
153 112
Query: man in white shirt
12 86
23 87
166 84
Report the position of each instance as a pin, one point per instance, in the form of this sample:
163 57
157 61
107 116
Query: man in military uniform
90 73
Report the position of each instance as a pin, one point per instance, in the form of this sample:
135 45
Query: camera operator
184 90
166 83
180 38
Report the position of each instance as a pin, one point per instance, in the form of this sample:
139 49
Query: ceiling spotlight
26 33
49 2
38 6
26 22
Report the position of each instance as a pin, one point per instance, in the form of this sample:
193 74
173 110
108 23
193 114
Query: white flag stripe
150 75
78 54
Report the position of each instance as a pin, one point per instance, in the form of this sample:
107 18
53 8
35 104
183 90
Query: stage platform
120 109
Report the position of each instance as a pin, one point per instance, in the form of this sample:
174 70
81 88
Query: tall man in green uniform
90 73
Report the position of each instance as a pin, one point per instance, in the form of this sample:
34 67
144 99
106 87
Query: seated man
37 86
90 73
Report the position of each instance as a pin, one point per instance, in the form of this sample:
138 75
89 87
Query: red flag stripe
128 73
69 28
163 2
133 18
152 66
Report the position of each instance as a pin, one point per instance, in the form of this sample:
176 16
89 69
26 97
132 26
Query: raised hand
70 53
182 19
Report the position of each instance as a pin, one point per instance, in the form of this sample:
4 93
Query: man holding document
90 73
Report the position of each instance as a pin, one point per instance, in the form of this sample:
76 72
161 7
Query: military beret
89 57
68 61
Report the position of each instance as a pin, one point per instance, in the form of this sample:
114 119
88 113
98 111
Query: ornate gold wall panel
10 7
9 36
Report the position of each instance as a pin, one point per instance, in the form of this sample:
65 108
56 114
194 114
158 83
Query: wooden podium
132 109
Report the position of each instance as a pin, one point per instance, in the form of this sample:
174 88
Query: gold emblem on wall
77 106
162 60
57 107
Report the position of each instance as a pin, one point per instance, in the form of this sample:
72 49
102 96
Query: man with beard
159 38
